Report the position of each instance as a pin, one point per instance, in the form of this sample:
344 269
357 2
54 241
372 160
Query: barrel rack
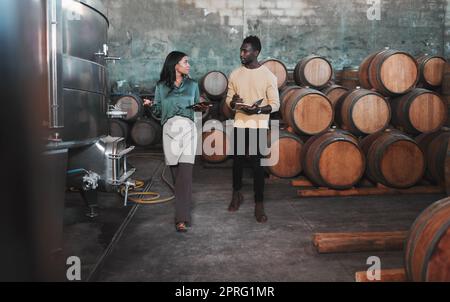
307 189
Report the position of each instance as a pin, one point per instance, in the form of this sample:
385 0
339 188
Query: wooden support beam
359 242
379 190
387 275
301 182
304 182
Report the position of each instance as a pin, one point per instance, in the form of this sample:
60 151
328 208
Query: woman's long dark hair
168 73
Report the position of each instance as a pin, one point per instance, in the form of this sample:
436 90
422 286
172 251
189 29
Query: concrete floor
223 246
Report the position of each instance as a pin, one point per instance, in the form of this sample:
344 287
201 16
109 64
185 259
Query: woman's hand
148 102
201 107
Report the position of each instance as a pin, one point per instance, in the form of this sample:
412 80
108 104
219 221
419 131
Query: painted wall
143 32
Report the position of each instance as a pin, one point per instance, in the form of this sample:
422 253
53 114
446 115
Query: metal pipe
55 99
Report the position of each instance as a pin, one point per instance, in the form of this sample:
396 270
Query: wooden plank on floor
359 242
301 182
386 275
369 191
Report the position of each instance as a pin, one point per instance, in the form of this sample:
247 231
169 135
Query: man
248 85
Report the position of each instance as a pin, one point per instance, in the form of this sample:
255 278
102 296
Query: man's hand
148 102
236 99
250 110
257 110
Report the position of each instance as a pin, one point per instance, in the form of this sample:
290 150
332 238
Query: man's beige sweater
252 85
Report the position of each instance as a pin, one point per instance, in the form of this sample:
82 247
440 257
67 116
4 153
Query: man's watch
259 111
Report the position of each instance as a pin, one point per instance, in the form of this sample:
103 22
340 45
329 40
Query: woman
176 98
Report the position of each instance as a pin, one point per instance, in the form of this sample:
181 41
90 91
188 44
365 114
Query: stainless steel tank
30 213
54 55
77 46
77 42
68 41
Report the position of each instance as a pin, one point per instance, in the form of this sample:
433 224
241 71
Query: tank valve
55 138
128 184
90 181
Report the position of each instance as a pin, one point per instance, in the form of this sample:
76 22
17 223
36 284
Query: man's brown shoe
236 201
260 214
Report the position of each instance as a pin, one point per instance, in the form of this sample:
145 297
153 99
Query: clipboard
210 104
243 105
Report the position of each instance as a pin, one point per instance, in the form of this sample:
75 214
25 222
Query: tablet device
206 103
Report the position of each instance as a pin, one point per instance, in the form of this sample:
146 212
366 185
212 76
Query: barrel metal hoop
430 211
433 245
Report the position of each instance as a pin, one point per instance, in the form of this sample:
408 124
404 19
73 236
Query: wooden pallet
272 179
301 182
308 190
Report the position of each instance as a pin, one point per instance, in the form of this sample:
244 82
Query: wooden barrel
431 70
334 92
390 72
132 104
333 159
285 94
350 77
226 112
214 84
146 132
278 69
434 146
363 73
445 88
427 252
147 110
118 128
337 76
363 112
313 71
287 148
447 170
216 143
419 111
290 77
308 111
393 159
446 99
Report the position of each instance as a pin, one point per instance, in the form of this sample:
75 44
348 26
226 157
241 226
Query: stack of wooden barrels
383 119
139 127
214 88
142 127
390 130
328 157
